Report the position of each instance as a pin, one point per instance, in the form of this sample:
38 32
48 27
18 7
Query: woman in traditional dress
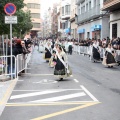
47 52
41 46
109 59
61 68
51 62
96 51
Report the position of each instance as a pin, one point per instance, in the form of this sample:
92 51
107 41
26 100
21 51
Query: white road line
76 80
94 99
47 90
34 94
64 97
20 80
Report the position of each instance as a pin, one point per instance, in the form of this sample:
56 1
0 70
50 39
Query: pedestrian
62 69
109 59
70 44
47 54
96 51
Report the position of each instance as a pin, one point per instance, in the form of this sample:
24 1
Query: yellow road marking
65 111
8 92
29 74
46 104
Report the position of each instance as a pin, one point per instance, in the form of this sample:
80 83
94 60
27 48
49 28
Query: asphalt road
93 93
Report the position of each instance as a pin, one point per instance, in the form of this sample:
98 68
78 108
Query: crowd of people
18 47
56 50
110 48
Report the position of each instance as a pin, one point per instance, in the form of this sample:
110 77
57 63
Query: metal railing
87 50
8 71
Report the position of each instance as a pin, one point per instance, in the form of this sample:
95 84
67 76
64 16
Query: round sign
10 9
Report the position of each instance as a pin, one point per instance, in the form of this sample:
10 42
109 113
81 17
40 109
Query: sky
45 4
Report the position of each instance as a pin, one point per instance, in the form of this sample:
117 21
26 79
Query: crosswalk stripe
34 94
64 97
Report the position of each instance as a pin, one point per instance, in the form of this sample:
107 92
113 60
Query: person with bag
61 68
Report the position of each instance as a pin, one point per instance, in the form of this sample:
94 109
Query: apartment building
91 21
60 30
54 21
34 7
73 25
65 16
113 6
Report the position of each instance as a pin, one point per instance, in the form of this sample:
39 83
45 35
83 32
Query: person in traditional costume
47 54
51 62
96 51
62 69
41 46
109 58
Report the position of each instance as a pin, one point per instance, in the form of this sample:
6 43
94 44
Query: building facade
113 6
91 21
73 25
54 21
65 16
34 7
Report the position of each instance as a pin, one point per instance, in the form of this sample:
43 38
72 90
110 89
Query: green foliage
24 19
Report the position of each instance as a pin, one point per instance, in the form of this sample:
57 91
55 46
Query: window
94 3
33 5
36 25
67 10
35 15
89 5
114 30
62 10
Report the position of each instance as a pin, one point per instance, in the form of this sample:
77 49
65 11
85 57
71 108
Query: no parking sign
10 9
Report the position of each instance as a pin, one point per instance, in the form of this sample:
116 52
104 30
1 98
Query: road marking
20 80
29 74
49 103
48 90
8 92
65 111
45 81
34 94
58 98
76 80
94 99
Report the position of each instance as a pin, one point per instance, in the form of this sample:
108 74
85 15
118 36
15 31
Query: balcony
111 5
79 1
91 14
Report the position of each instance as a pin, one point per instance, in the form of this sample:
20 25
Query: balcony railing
94 12
78 1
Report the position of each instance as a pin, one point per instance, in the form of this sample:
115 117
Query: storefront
96 31
81 33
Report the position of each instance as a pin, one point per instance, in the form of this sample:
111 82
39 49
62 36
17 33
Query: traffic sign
10 9
10 19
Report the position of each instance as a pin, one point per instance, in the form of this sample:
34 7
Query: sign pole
11 48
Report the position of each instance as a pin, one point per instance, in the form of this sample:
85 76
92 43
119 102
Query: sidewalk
5 91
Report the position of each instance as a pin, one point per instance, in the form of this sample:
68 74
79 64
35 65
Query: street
92 93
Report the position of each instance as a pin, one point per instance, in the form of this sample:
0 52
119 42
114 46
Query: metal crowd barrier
87 50
8 71
22 62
